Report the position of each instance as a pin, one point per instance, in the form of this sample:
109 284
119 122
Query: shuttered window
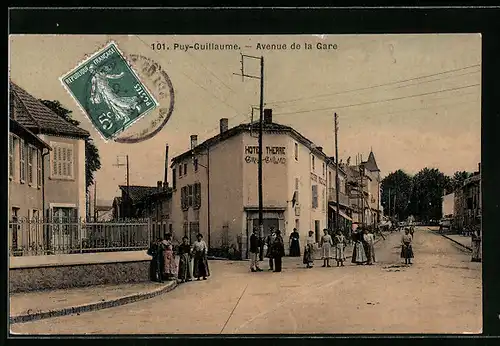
314 196
62 161
297 183
38 168
11 155
31 157
22 161
323 199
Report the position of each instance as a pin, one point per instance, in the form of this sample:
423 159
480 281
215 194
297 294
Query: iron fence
35 237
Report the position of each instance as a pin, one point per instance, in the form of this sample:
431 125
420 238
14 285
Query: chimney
268 116
165 174
194 141
224 125
320 148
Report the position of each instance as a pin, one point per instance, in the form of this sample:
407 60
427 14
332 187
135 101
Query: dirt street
440 293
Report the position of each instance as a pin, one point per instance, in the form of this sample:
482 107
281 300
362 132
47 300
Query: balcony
343 199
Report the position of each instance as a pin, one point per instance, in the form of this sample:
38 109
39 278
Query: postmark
109 91
159 82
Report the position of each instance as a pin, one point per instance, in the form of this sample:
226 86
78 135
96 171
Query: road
440 293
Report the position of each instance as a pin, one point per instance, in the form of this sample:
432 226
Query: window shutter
69 157
30 164
314 196
11 155
39 168
22 161
54 161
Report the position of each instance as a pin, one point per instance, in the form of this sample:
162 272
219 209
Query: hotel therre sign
276 155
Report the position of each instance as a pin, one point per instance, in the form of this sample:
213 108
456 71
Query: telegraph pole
118 164
261 121
361 173
336 172
95 201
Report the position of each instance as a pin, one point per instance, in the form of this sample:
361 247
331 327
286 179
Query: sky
412 99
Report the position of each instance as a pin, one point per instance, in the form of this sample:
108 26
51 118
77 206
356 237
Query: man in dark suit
254 251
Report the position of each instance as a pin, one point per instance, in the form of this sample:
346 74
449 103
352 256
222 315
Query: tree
429 186
399 186
92 158
458 179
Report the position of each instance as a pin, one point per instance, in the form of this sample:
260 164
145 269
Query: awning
334 208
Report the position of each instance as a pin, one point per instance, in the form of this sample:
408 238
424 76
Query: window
184 204
313 164
297 183
330 179
197 196
185 227
174 179
22 161
314 196
38 168
31 158
194 230
190 195
323 199
11 155
195 164
185 168
62 161
324 169
180 171
296 152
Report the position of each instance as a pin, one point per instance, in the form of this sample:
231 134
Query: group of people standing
163 263
273 247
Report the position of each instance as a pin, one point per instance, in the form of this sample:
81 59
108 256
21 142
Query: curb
93 306
453 240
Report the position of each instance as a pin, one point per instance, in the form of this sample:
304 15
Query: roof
246 127
137 192
371 163
19 129
34 115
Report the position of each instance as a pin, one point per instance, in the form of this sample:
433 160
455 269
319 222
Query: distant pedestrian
309 250
369 242
294 244
358 251
406 246
278 251
326 248
269 242
185 251
254 251
340 244
200 265
156 265
169 266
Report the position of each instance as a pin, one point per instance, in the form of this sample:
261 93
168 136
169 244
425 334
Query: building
364 185
215 185
26 184
345 210
131 204
64 167
468 203
157 207
60 172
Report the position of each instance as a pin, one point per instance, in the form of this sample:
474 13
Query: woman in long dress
406 246
156 265
278 251
358 252
200 265
294 244
326 248
169 266
184 260
340 243
309 250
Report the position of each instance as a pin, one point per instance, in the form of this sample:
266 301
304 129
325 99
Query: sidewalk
44 304
465 242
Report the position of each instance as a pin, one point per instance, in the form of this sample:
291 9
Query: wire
373 86
436 80
211 72
193 81
379 101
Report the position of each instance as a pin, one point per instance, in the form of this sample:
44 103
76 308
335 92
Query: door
64 228
317 230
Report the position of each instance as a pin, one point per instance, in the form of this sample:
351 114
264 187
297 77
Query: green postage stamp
109 91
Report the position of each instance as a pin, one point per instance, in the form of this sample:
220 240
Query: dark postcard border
315 21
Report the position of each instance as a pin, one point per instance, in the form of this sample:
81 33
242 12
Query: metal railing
35 237
343 198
